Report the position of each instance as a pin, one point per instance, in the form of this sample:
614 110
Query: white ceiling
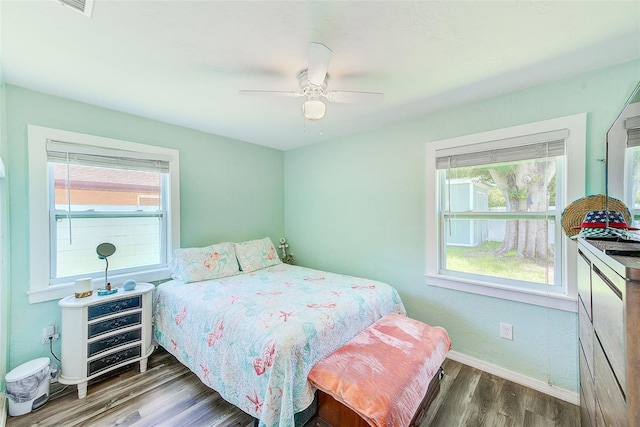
183 62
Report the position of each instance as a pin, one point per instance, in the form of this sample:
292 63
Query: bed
253 336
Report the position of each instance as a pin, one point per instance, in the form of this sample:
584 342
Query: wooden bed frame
332 413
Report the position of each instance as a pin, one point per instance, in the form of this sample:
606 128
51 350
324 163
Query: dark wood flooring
168 394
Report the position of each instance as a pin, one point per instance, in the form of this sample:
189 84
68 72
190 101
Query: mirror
104 251
622 166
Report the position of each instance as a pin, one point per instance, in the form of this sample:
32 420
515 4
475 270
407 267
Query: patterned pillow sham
210 262
256 254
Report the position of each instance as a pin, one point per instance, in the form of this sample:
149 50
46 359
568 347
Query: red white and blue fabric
598 219
604 223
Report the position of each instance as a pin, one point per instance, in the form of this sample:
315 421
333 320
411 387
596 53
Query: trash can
28 386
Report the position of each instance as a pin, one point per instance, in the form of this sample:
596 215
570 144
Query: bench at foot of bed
332 413
387 375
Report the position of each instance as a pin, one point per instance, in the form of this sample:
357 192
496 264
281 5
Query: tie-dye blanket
384 372
254 337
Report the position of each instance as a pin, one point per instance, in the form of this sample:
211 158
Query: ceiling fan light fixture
313 109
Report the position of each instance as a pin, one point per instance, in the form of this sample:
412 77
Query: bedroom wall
4 299
230 191
356 205
4 233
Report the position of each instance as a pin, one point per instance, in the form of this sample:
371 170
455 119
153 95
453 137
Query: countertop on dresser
625 266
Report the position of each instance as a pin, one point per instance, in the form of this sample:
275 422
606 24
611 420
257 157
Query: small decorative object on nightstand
286 258
129 285
102 333
83 287
104 251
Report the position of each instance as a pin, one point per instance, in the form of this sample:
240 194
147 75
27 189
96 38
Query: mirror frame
616 146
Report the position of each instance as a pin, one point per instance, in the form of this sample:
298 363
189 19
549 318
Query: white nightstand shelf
102 333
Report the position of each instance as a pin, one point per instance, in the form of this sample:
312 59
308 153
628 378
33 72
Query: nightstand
102 333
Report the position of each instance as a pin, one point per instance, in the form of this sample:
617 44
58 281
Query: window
494 216
632 167
83 194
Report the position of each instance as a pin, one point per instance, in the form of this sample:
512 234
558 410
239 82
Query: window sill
550 300
55 292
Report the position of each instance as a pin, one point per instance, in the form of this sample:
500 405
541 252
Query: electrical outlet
506 331
50 331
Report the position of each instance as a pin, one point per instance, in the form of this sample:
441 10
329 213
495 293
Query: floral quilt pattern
254 337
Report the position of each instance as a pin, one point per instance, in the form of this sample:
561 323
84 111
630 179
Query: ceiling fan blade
319 57
349 97
271 93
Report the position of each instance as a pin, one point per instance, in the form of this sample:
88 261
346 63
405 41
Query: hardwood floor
168 394
470 397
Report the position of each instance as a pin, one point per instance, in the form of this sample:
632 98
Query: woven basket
574 214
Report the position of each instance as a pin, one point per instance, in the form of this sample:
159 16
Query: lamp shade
313 109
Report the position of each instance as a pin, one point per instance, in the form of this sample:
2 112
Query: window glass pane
98 204
498 220
137 242
632 197
526 186
478 247
102 188
634 155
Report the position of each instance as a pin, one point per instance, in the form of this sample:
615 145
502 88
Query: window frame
617 154
574 168
41 287
628 194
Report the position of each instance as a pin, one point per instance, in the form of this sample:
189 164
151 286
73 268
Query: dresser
609 333
102 333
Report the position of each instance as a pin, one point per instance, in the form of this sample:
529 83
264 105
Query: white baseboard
538 385
3 409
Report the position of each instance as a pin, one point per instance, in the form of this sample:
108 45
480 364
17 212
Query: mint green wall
4 248
356 205
4 242
230 191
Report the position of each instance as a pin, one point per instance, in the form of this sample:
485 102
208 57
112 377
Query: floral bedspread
254 337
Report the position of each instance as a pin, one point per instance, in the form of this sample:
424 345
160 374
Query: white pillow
256 254
210 262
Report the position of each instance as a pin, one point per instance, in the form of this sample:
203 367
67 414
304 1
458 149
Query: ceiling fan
313 82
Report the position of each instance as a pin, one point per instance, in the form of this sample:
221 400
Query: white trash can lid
26 369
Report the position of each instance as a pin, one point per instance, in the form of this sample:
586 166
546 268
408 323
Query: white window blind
65 152
632 124
536 146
